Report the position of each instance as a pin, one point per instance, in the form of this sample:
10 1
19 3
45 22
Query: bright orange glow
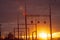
34 36
56 35
43 35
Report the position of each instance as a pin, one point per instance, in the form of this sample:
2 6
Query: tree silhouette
10 37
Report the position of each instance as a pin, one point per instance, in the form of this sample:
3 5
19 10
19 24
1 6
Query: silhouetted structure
10 37
0 30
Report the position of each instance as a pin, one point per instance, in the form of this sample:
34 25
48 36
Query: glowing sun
43 35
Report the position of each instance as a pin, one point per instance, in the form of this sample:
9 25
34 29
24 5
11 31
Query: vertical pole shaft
14 32
18 25
50 18
25 19
32 36
18 31
26 25
0 30
29 33
17 21
36 27
36 30
21 34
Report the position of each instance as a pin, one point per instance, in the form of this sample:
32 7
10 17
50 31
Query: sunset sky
10 8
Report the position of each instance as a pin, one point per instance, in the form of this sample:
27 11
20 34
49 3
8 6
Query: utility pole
33 35
18 24
14 32
0 30
50 18
36 27
25 14
18 21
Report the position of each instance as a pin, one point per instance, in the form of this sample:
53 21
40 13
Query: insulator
38 21
31 21
44 22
